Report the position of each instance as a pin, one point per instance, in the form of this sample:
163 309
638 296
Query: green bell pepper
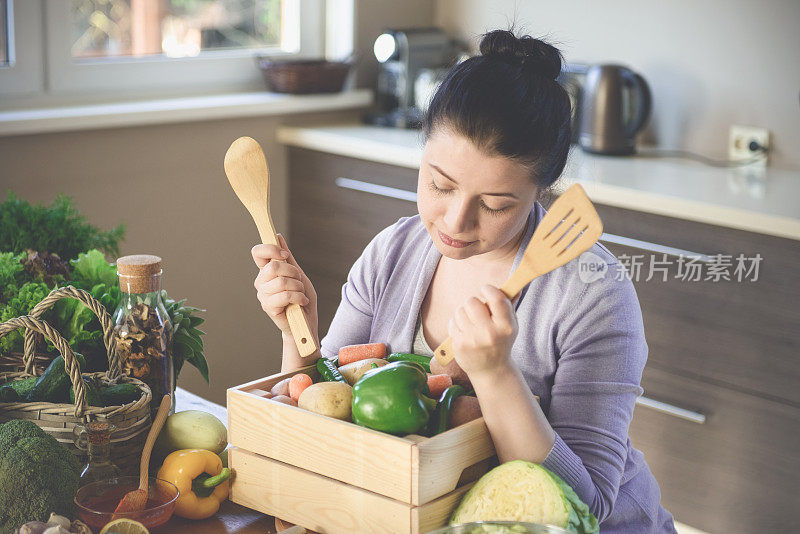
393 399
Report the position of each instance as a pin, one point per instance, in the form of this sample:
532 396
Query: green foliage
28 296
59 229
12 275
91 269
73 319
37 476
187 345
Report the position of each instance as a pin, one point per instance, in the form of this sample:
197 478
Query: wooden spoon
248 174
136 500
570 228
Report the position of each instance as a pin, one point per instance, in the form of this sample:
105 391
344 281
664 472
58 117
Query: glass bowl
97 501
500 527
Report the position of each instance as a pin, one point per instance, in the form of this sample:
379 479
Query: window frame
24 75
44 74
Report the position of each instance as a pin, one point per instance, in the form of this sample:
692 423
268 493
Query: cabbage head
525 492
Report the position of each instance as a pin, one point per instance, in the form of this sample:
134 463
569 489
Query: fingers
495 311
476 311
499 306
263 254
290 256
275 303
283 283
276 269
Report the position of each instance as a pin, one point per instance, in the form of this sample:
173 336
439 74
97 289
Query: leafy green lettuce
12 275
75 321
26 298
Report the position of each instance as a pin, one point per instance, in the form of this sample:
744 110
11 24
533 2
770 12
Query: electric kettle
615 106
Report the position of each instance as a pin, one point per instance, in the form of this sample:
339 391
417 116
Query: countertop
763 200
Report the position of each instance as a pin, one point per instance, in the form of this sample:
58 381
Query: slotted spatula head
570 228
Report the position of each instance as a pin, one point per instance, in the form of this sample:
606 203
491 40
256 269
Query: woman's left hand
483 332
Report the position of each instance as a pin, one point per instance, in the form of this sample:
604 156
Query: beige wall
709 64
167 184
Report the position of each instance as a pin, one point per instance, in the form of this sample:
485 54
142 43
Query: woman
497 137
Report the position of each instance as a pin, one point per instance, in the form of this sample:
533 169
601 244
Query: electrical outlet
739 144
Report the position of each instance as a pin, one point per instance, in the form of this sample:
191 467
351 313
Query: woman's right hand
280 283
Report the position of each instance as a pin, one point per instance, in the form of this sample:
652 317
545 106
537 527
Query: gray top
580 347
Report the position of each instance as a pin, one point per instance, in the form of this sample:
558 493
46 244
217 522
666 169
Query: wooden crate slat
436 513
440 461
316 502
321 444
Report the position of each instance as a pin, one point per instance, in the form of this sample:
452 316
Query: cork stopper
139 273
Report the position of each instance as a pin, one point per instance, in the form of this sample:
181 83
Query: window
174 28
89 50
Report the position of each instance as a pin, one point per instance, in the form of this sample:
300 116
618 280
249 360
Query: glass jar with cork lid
142 327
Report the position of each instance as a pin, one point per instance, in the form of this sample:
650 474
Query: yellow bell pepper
201 480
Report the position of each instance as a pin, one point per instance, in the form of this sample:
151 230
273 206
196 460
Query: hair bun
525 51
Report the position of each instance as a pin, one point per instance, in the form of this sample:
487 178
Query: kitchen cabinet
718 421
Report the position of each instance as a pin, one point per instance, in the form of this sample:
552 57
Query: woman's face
472 204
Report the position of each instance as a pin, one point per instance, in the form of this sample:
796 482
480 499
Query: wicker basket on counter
132 420
305 75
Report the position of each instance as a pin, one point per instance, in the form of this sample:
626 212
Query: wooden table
231 517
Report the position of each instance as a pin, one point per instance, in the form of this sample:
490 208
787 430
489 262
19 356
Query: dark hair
507 101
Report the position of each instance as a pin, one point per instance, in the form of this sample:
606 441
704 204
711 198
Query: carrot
438 383
298 384
355 353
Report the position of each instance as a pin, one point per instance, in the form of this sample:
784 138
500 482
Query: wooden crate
326 505
418 477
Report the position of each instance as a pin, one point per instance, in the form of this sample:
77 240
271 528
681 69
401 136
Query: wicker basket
305 76
132 421
12 362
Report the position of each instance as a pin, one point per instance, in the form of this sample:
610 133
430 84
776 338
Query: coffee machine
402 54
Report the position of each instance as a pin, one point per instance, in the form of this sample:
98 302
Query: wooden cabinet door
337 205
739 334
725 461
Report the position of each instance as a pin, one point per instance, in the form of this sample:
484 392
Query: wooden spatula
570 228
136 500
248 174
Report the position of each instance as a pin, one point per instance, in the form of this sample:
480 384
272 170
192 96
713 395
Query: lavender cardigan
580 347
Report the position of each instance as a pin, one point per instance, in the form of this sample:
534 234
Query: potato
463 410
353 371
332 399
285 399
281 388
454 370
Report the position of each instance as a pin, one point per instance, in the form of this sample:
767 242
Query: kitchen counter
746 198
